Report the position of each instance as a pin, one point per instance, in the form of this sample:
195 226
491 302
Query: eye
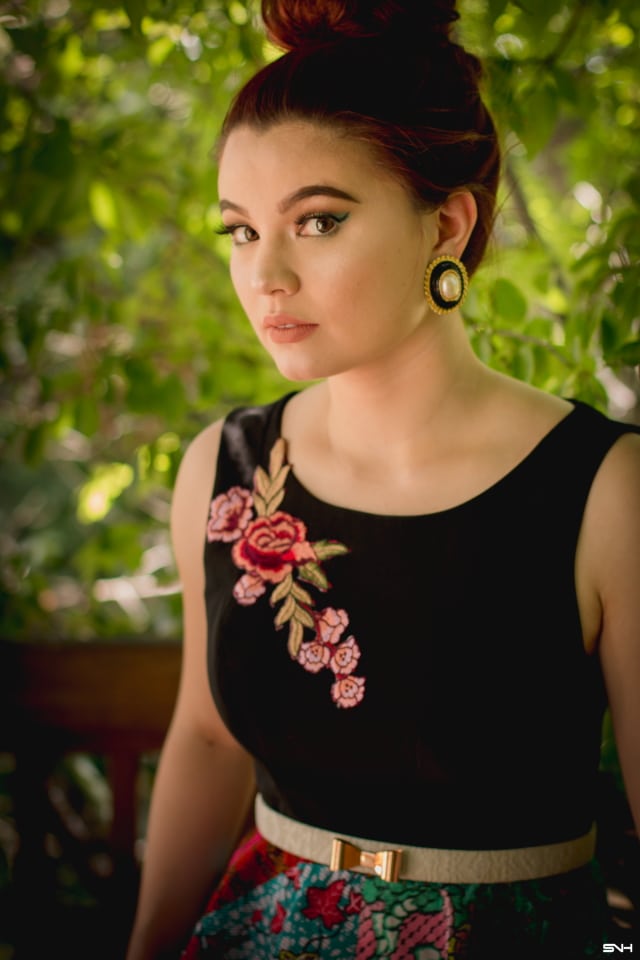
320 224
240 233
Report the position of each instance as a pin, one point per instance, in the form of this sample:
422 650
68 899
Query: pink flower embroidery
330 624
229 514
348 691
272 546
314 656
345 658
249 587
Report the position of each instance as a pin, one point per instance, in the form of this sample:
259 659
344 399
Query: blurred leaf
135 11
103 206
626 355
120 334
508 301
96 497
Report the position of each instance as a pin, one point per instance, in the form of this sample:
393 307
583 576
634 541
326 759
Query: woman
419 580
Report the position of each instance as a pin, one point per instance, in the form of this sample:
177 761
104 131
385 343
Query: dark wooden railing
113 701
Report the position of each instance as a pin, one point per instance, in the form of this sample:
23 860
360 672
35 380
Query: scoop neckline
470 502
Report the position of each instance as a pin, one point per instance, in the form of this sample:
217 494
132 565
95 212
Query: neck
401 411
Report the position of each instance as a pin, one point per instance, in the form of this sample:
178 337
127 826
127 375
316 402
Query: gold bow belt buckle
346 856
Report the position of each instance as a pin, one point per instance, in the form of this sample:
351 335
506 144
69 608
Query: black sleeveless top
418 679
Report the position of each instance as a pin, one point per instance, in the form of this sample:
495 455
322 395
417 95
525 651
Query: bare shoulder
515 417
612 522
192 491
526 405
612 534
199 461
195 708
616 488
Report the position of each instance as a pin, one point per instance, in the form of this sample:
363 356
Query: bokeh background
120 336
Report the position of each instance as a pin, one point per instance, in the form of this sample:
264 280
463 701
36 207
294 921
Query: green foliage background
120 335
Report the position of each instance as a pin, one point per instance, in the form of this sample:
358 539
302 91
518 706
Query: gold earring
445 284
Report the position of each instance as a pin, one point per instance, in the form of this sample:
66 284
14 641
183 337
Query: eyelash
228 231
337 218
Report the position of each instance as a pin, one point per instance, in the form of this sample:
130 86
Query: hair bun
292 24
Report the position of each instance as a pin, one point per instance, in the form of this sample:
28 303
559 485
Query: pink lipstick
282 328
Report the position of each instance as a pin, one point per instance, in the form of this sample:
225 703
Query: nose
273 271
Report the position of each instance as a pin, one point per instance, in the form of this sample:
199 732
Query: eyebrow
313 190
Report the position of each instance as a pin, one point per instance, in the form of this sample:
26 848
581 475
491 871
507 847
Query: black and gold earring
445 284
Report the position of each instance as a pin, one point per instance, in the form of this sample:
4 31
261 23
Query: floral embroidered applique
272 549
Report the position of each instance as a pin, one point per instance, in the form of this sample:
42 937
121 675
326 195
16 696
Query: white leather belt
429 864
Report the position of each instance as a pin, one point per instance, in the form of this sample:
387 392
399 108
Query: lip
282 328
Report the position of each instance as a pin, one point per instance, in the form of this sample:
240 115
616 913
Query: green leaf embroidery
285 587
325 549
278 481
304 617
295 638
261 482
276 457
269 488
300 594
274 502
260 505
286 611
313 573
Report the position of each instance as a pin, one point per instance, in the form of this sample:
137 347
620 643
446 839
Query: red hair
387 74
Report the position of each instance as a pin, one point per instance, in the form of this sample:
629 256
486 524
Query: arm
612 537
204 783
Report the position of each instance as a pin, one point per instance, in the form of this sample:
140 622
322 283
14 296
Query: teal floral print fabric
273 906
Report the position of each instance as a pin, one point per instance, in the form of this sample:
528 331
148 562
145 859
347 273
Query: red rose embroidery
229 515
273 546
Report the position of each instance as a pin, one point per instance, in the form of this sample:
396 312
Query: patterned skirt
271 905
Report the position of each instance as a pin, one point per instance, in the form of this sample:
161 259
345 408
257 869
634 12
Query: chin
301 369
304 369
299 373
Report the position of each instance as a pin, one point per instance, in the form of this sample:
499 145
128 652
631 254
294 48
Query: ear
455 221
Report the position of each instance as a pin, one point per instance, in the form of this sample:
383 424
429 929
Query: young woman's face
328 251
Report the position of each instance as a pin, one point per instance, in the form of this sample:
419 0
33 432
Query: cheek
238 277
404 273
387 281
241 280
353 273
